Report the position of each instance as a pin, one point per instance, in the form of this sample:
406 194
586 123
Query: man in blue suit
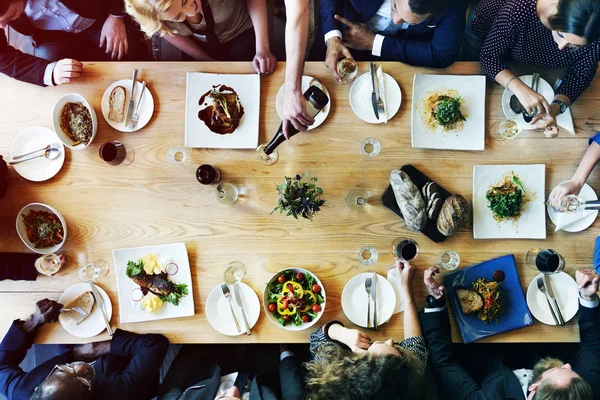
417 32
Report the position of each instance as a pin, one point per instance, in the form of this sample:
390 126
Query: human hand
587 282
335 52
405 272
433 287
546 121
294 111
264 62
46 311
357 35
532 101
356 340
114 34
561 190
65 70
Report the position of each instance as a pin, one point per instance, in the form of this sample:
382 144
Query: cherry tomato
316 308
272 307
316 288
286 317
305 318
300 277
281 279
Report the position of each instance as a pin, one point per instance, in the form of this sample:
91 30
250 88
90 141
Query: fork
134 120
368 284
76 309
542 288
227 295
380 107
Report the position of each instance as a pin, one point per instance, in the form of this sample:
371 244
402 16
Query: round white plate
146 107
544 89
579 224
320 118
22 229
31 139
360 98
219 314
566 293
94 324
355 300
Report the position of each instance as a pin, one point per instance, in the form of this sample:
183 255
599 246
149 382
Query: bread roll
453 215
409 200
116 102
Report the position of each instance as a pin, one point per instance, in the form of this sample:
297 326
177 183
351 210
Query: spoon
50 154
49 147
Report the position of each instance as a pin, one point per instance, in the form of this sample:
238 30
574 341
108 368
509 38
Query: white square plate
128 311
472 92
531 225
198 135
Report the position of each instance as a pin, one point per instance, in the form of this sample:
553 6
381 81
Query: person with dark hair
547 33
417 32
126 367
64 30
550 379
347 365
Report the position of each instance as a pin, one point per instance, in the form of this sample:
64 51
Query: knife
561 320
374 297
102 307
131 98
238 300
375 89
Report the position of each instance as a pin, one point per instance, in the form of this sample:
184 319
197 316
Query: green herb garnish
134 268
177 293
222 100
448 111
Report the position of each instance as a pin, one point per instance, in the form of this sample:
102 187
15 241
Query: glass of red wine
405 249
117 153
546 261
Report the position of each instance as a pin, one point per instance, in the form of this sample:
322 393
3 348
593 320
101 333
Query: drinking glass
234 273
93 271
347 68
572 203
546 261
507 129
176 155
368 256
48 264
227 193
115 152
267 159
450 260
355 199
405 249
371 147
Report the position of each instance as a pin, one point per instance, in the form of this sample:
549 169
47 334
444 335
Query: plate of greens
448 112
294 299
508 201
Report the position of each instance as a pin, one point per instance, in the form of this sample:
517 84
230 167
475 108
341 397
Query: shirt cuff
595 138
48 74
334 33
285 355
589 304
377 45
432 310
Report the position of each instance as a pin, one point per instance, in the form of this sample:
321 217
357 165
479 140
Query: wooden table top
152 202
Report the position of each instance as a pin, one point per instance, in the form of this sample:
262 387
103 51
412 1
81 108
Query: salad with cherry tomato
295 298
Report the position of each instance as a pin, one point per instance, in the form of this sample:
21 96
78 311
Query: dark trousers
240 48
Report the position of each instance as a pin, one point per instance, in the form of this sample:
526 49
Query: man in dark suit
126 367
417 32
549 379
64 30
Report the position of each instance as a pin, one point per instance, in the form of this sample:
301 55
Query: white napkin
563 220
381 80
393 279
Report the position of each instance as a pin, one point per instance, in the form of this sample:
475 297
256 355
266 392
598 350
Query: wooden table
152 202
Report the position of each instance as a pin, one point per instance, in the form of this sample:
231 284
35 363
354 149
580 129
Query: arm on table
21 66
264 62
18 266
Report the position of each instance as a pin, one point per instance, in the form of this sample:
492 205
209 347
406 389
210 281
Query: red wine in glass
549 262
207 174
405 249
113 152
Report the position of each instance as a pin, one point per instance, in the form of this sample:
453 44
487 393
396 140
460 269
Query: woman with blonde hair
210 30
347 365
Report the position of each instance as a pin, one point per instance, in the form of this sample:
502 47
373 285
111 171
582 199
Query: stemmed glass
264 158
93 271
234 273
355 199
507 129
227 193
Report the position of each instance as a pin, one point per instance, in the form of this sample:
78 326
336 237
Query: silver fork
542 288
227 295
134 120
368 284
380 107
76 309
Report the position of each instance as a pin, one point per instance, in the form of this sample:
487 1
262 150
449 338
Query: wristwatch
432 302
563 106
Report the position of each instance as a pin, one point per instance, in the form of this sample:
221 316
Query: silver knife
561 320
102 307
374 297
238 300
375 89
131 98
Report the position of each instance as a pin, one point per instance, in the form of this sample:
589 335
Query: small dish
360 98
219 314
321 116
58 107
566 293
145 111
34 138
94 323
22 229
575 222
355 300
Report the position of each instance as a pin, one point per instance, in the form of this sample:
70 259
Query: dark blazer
18 266
130 371
433 43
499 382
3 177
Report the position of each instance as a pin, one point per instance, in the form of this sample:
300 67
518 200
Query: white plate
94 324
197 134
145 111
219 314
472 93
22 230
566 293
321 116
579 224
128 310
56 117
531 225
354 300
360 98
31 139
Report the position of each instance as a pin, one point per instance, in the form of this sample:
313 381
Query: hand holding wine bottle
294 112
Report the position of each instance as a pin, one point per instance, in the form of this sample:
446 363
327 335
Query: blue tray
516 313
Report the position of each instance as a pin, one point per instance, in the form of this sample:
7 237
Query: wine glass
227 193
347 68
48 264
264 158
405 249
507 129
93 271
234 273
355 199
546 261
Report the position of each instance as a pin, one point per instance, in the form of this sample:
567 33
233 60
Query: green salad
506 198
447 110
295 297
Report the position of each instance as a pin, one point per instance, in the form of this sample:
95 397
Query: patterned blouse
512 31
321 344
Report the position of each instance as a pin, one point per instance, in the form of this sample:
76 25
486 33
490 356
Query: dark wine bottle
316 100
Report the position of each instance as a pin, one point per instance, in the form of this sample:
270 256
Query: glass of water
176 155
368 256
93 271
450 260
234 273
507 129
355 199
227 193
371 147
48 264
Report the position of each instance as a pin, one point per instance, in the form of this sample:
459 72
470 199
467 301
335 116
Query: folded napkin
381 80
393 278
364 94
563 220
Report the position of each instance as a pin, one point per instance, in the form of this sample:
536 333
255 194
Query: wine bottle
316 100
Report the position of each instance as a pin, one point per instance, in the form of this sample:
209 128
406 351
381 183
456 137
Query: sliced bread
85 302
116 102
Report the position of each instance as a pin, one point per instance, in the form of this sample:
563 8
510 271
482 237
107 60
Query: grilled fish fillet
157 284
470 301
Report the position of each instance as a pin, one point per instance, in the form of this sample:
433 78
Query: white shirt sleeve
377 45
436 309
285 355
48 74
589 304
334 33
